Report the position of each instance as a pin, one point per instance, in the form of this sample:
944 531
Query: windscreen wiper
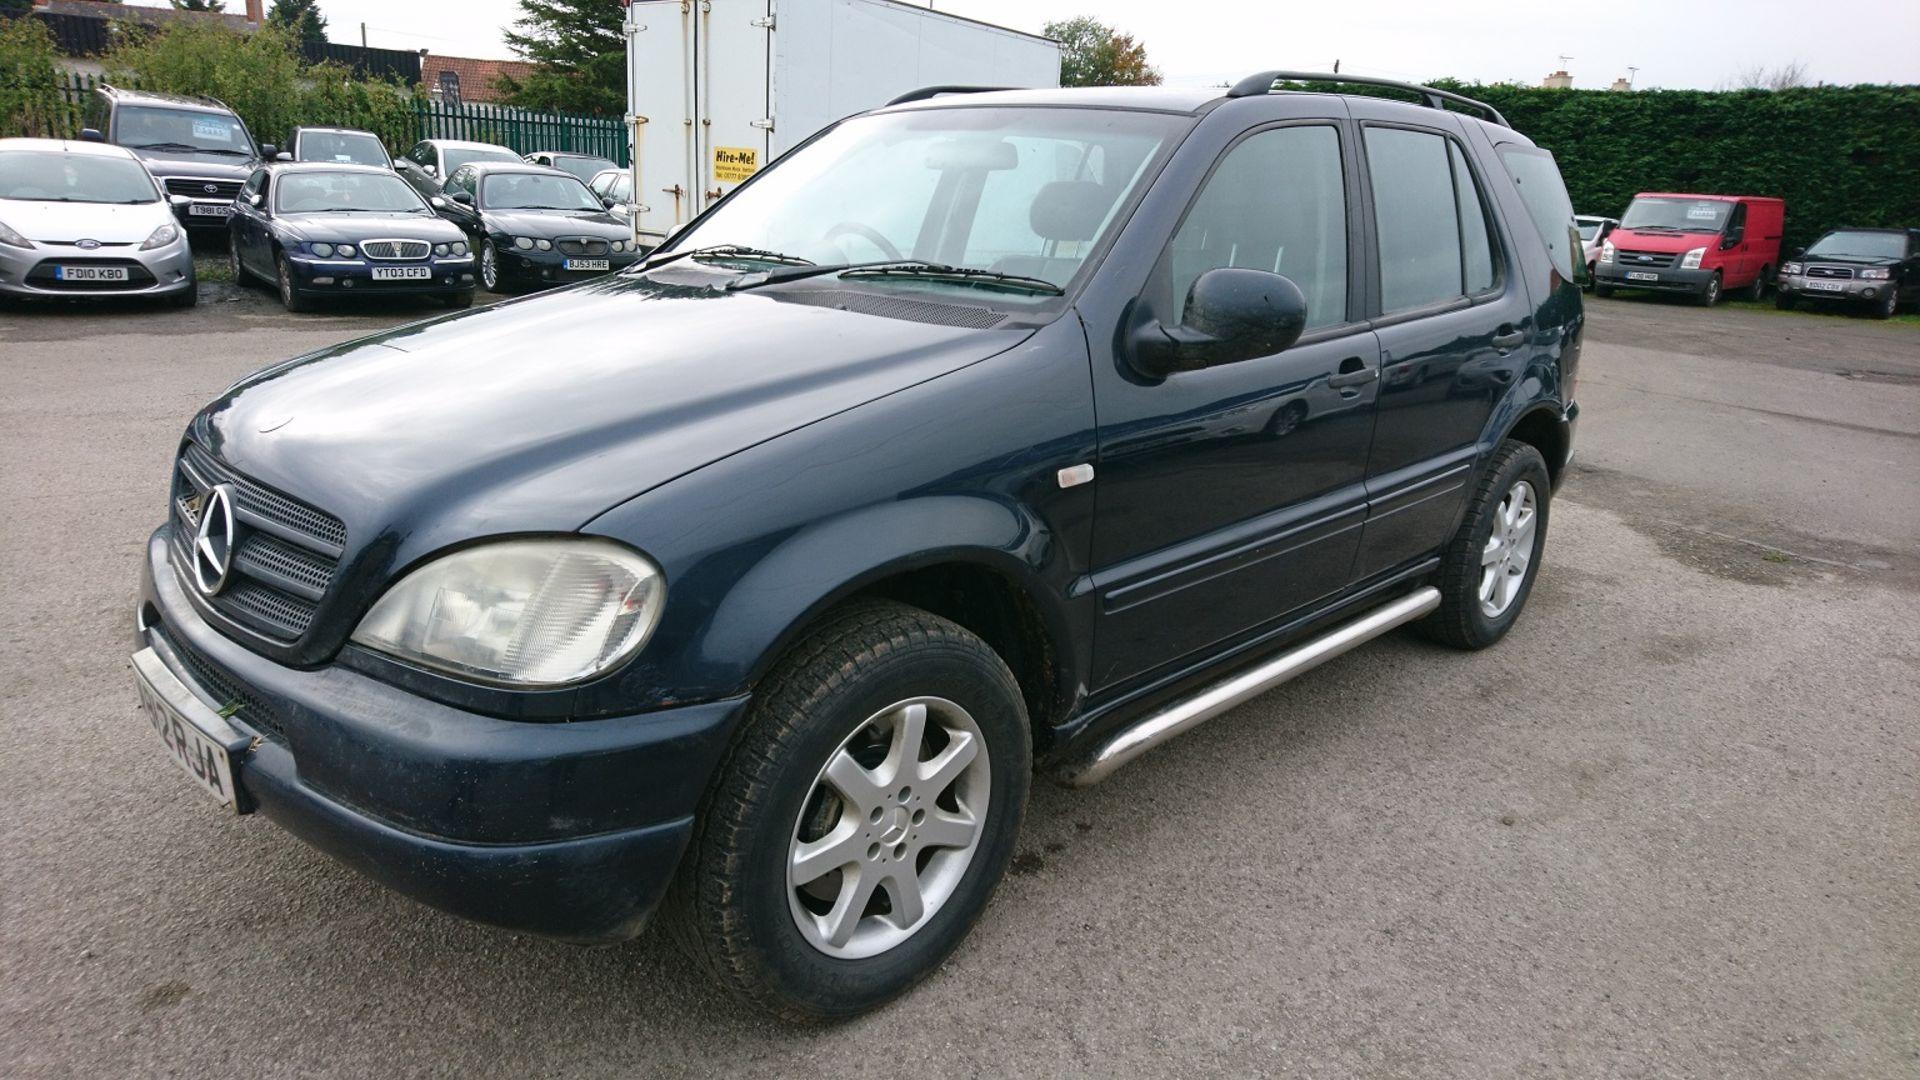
726 251
961 275
164 146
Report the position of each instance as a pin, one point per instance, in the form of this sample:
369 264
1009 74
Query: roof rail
926 92
1255 85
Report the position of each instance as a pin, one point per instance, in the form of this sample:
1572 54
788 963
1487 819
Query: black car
534 226
317 231
754 584
1875 268
584 166
195 146
338 146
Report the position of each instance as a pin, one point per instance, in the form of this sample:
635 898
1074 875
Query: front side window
1021 191
314 192
535 191
148 127
1277 202
45 176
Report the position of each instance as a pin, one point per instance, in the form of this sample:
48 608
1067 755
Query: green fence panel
524 131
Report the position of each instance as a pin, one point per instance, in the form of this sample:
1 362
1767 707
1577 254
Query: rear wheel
1710 295
1757 291
1487 569
863 817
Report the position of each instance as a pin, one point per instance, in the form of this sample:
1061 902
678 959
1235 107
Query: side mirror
430 170
91 135
256 200
283 156
607 201
438 203
1231 315
267 150
464 198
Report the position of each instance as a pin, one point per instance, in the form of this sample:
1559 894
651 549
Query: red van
1698 244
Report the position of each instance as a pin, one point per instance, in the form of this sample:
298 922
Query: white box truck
718 88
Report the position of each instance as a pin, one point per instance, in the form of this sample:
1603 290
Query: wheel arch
1542 428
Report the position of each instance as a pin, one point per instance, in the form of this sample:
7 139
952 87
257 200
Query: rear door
1452 324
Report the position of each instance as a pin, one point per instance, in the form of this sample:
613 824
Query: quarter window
1537 179
1276 202
1434 242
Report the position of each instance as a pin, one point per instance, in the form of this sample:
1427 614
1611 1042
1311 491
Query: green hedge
1839 155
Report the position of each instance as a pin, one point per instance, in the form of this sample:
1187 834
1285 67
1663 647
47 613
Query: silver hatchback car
86 219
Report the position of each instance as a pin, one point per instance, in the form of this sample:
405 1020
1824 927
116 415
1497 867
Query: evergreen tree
579 56
301 18
200 5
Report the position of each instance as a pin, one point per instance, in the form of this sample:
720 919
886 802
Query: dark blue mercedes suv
984 434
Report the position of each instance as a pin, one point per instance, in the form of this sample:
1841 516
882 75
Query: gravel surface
1669 828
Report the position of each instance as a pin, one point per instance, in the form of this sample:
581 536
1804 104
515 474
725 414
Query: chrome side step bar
1186 715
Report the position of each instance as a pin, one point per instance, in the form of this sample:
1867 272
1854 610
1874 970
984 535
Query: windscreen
52 176
344 147
586 168
1589 230
457 156
1023 191
147 127
535 191
319 192
1663 214
1859 245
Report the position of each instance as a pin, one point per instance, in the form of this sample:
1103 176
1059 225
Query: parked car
315 230
195 146
534 226
584 166
1876 267
87 219
761 578
1702 245
340 146
614 189
1594 231
431 161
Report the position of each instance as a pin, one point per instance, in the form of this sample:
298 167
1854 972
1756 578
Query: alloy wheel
489 266
888 828
1509 550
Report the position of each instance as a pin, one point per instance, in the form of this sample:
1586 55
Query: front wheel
290 296
489 266
1487 569
1602 291
1784 302
186 297
863 817
1710 295
1888 305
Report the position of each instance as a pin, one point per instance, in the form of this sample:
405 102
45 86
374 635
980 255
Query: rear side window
1537 178
1434 242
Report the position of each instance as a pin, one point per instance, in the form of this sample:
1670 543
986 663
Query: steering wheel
865 232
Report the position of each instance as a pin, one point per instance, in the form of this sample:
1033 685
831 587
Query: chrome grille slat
1831 273
195 187
1646 260
396 250
581 245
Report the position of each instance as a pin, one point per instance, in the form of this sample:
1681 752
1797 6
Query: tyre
1487 569
458 300
238 268
1602 291
186 297
489 266
1887 305
862 818
1710 295
290 297
1784 302
1591 279
1757 291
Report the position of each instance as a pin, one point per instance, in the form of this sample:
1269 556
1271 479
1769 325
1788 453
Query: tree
579 56
1761 77
1095 54
301 18
200 5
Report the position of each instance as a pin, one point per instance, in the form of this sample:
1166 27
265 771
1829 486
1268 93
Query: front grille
138 276
222 691
195 187
392 250
582 246
1834 273
1646 260
284 554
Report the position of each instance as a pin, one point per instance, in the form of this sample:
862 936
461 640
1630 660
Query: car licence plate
403 273
201 209
196 738
1642 275
90 273
1827 286
588 264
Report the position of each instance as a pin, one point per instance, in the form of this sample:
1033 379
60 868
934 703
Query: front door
1231 496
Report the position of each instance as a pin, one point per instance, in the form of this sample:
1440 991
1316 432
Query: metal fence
85 35
524 130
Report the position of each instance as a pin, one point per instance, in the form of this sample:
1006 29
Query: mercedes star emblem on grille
213 541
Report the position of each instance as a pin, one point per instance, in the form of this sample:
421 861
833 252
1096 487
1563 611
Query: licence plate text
1827 286
403 273
90 273
202 757
201 209
1641 275
587 264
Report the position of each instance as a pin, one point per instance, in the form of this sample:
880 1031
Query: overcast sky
1674 43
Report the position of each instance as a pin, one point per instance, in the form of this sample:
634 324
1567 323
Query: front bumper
549 267
312 274
1667 279
159 272
566 830
1855 290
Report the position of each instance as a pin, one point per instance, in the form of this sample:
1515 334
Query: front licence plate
196 738
1827 286
403 273
588 264
1641 275
90 273
201 209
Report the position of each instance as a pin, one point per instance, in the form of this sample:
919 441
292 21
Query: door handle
1507 338
1353 372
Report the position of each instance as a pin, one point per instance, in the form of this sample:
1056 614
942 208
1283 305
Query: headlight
1880 274
459 247
1606 251
162 236
620 245
345 251
544 245
13 239
325 251
521 612
524 243
1791 268
1691 260
440 250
